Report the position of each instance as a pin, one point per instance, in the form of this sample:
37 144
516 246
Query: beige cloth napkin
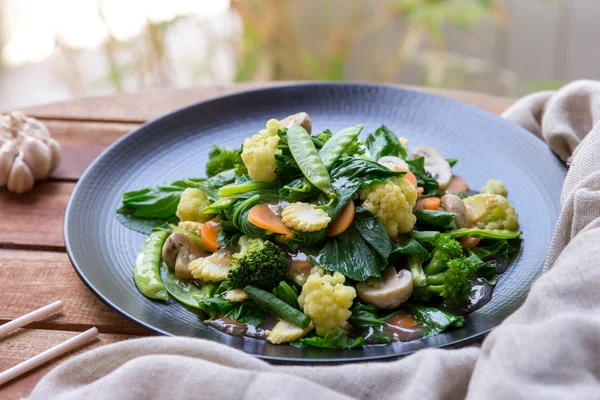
548 349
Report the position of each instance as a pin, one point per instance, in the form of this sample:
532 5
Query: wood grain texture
23 344
32 279
141 107
34 219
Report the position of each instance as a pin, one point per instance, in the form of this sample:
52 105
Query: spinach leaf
212 185
142 225
247 312
425 236
216 306
349 174
333 340
297 190
158 202
411 248
304 239
360 252
452 161
481 269
384 142
287 168
440 219
424 178
238 215
368 316
376 335
287 293
433 320
488 248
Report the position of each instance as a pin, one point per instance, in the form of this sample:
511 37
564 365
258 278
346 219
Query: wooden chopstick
31 317
47 355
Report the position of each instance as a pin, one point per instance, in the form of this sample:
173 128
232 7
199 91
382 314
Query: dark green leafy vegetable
490 247
368 316
142 225
287 169
482 269
360 252
322 138
221 159
384 142
287 293
212 185
279 307
297 190
424 178
349 174
436 218
238 215
158 202
411 248
185 291
333 340
247 312
484 233
434 321
304 239
220 205
216 306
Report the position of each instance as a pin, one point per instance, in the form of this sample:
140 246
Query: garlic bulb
27 152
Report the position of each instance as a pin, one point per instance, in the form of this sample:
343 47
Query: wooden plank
26 343
32 279
34 219
140 107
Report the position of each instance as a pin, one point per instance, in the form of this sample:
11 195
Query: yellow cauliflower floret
258 153
213 268
285 332
326 300
236 295
495 186
191 204
305 217
393 202
191 226
491 211
403 142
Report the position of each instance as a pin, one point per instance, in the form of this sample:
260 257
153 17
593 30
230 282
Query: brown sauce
235 328
403 328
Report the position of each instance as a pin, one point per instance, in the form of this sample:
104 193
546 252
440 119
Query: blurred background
59 49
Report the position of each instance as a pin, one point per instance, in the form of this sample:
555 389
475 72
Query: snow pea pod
338 143
147 267
307 157
185 291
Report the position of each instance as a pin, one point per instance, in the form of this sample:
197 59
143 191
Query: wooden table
34 268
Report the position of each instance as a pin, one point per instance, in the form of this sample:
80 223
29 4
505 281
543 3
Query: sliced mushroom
394 289
457 185
178 251
435 164
393 160
301 119
453 203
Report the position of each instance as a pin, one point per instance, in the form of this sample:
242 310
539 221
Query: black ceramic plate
176 146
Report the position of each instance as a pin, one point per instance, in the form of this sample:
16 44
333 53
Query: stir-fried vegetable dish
324 239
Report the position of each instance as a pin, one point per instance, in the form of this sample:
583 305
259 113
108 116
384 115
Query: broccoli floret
259 263
221 159
323 137
454 285
446 249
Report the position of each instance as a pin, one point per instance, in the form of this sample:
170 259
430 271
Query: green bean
307 157
147 267
220 205
338 143
279 307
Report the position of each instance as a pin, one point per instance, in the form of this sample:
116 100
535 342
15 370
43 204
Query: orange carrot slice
403 320
431 203
469 242
209 232
343 221
263 217
409 175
